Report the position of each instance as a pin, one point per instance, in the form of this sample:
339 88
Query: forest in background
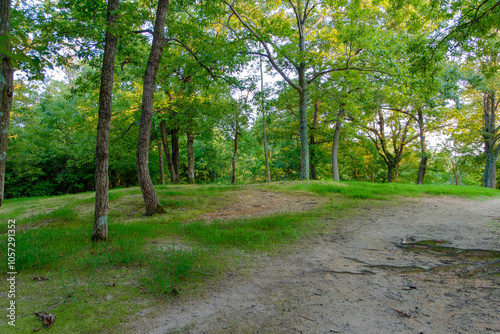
378 91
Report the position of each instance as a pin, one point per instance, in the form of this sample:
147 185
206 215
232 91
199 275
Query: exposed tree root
474 270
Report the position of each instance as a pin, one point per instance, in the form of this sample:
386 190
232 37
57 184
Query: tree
6 89
148 191
460 23
491 136
100 231
264 133
390 133
238 117
292 53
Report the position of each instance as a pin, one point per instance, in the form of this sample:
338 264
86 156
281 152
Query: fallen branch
301 316
56 303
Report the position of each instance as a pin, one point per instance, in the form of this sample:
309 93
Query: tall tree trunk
162 168
423 148
148 191
268 171
163 132
6 90
100 231
304 138
235 154
175 155
491 137
160 156
190 152
313 141
335 144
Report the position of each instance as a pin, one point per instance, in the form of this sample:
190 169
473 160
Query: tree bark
175 155
313 141
491 136
235 154
148 191
190 152
423 148
163 132
7 92
160 156
100 231
304 138
392 169
335 144
268 171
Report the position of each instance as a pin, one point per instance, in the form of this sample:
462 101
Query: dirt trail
331 286
255 203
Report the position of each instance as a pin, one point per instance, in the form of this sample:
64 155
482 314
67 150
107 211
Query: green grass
249 234
381 191
152 259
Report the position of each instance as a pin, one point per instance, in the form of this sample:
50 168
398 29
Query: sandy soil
353 280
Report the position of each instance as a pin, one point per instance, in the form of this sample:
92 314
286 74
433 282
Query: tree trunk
235 155
392 171
268 172
190 152
7 91
423 148
175 155
148 191
335 144
313 141
100 231
163 132
455 176
489 175
491 138
160 156
304 138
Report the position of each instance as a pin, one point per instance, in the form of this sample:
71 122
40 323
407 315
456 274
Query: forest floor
400 266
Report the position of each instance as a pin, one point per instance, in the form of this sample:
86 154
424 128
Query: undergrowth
148 260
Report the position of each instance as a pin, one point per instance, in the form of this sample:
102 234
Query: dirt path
256 203
331 285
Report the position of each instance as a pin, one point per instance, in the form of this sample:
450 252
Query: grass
263 233
383 191
150 260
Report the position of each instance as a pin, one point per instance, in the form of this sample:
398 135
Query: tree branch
270 56
147 31
317 75
315 25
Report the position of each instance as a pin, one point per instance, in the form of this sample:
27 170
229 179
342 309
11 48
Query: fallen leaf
403 314
40 278
47 318
409 287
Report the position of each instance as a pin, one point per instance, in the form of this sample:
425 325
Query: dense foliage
405 86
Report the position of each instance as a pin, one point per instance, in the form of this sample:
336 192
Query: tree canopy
381 91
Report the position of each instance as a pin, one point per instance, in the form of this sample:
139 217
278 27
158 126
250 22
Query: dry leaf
47 318
40 278
403 314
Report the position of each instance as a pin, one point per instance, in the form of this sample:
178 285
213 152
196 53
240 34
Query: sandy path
327 286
